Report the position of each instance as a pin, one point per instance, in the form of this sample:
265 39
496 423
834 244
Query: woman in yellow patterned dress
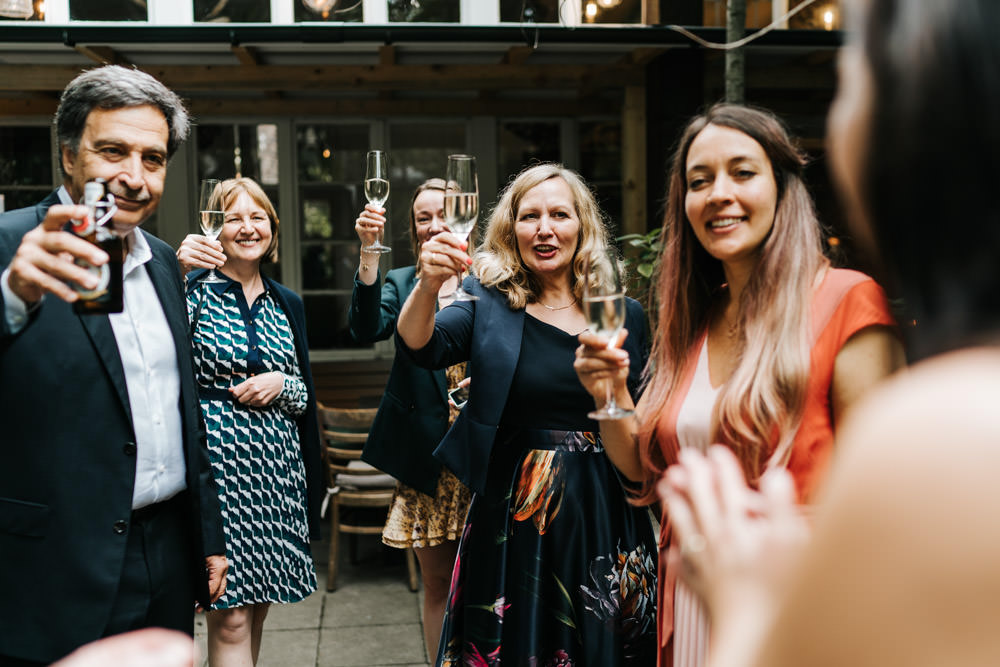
430 504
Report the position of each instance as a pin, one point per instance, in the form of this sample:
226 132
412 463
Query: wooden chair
353 483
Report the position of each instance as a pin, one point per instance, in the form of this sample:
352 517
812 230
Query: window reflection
612 11
108 10
523 143
25 165
329 10
601 164
537 11
442 11
232 11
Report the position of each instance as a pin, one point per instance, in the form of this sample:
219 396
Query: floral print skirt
554 567
418 520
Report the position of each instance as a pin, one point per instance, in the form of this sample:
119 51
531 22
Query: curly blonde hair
498 263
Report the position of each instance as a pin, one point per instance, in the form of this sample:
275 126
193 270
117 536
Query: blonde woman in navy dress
252 364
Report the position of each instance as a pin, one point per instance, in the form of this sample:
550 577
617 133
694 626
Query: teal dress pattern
255 454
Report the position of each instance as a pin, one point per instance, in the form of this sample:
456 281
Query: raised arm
440 258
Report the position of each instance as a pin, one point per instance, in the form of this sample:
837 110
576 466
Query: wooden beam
634 161
651 12
386 55
104 55
19 78
516 55
247 55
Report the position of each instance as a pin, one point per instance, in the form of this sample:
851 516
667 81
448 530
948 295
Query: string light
321 7
591 11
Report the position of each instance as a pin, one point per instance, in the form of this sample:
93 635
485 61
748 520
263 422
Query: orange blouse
844 303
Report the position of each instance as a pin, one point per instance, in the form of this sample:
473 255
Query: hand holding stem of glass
604 308
376 191
461 206
211 217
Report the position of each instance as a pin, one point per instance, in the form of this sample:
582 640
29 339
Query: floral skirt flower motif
624 594
554 568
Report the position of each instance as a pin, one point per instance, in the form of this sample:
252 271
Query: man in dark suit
109 518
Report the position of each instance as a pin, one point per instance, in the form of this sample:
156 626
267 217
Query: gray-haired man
109 518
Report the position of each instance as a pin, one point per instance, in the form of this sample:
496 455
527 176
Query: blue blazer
67 462
487 333
413 414
307 423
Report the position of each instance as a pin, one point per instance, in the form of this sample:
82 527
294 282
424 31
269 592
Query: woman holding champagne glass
760 344
429 506
251 360
555 567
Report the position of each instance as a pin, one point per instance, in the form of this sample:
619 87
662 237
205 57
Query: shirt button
161 469
129 449
121 527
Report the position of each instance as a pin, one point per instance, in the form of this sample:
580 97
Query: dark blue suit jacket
413 414
307 423
67 462
488 333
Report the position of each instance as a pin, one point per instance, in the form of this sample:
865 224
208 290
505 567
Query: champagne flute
211 218
376 192
604 308
461 206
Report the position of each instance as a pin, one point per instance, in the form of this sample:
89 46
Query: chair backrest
344 431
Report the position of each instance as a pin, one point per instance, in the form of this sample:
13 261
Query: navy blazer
488 333
67 462
307 423
413 414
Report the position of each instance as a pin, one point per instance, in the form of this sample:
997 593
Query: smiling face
731 195
246 236
126 147
547 229
428 214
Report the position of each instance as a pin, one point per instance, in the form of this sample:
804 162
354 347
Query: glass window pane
817 16
330 154
325 210
249 150
442 11
235 11
108 10
614 11
351 11
526 142
539 11
327 266
326 321
419 152
25 165
601 164
758 13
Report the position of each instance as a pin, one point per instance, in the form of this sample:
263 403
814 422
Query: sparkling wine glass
461 206
604 308
376 192
211 217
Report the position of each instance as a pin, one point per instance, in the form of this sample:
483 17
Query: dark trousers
157 587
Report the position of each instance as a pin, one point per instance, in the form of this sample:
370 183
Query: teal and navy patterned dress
254 452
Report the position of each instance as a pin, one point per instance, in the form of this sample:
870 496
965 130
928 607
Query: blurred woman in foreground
901 568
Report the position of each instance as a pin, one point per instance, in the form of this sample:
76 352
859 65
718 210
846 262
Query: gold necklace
568 305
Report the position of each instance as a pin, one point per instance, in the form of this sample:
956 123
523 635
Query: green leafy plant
641 261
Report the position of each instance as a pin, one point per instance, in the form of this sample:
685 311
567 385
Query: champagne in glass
211 217
376 191
461 206
604 308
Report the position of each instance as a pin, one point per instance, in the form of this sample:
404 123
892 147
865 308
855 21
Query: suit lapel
171 300
102 336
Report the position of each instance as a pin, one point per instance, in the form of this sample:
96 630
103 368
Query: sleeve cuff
16 311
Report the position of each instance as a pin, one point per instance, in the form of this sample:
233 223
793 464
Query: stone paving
371 620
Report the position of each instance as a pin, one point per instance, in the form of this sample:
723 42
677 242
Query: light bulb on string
321 7
609 4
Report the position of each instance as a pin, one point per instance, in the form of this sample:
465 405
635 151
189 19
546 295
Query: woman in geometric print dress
555 567
251 360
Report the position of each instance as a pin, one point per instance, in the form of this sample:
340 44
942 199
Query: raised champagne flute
604 308
461 206
376 192
211 217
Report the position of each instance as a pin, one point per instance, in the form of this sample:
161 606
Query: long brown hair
765 395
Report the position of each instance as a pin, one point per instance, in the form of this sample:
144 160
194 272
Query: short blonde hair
231 188
498 263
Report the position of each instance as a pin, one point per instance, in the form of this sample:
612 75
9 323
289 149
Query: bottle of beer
107 297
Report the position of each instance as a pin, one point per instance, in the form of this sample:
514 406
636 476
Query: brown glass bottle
107 297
